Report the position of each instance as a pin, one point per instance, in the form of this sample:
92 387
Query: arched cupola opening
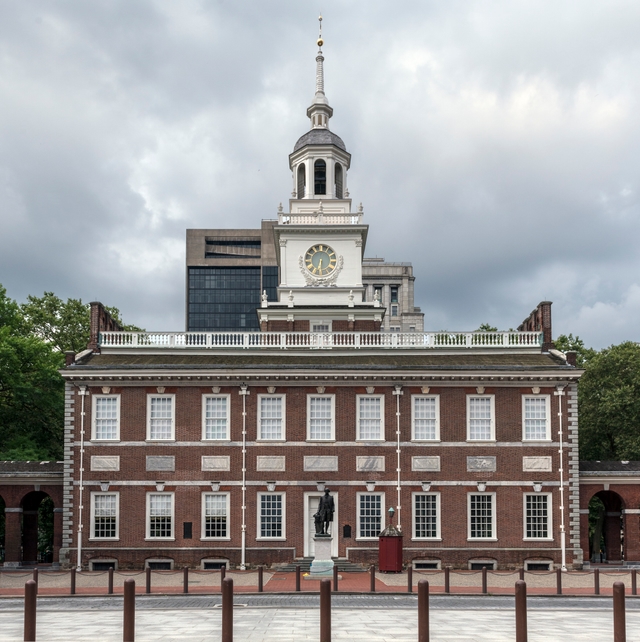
320 177
338 180
302 179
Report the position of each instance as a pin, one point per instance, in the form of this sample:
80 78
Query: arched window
301 180
338 172
320 178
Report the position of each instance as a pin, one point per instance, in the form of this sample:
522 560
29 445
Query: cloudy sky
495 144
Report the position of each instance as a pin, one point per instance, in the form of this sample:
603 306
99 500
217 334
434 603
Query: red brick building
202 448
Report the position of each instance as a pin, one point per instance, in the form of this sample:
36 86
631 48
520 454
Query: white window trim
493 417
313 322
159 559
284 518
203 518
283 437
204 417
547 399
92 536
93 417
173 519
382 432
413 419
493 519
490 563
438 536
382 516
333 416
549 537
173 416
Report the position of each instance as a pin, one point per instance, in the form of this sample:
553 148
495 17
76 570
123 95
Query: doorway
311 501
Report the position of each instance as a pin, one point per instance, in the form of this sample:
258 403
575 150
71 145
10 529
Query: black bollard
35 578
447 579
423 611
325 611
148 578
522 574
596 581
72 588
110 581
372 573
30 593
521 611
297 578
484 580
129 621
223 574
335 578
227 610
410 578
634 582
260 579
619 616
559 581
185 579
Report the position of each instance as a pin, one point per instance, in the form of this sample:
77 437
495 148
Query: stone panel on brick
426 464
105 462
271 462
161 462
536 464
481 464
321 463
370 464
216 462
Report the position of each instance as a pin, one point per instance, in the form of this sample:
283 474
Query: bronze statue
324 516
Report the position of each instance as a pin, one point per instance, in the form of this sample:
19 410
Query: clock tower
320 242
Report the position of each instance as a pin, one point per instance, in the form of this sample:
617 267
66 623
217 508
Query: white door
311 501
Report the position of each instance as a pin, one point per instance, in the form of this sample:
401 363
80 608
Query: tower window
338 173
320 172
301 180
394 294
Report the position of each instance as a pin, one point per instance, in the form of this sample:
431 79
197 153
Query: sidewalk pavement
300 625
203 582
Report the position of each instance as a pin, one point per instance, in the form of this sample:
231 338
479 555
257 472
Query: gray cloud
495 145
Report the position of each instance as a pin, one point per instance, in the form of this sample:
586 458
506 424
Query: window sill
430 441
371 440
481 441
537 539
537 441
271 441
103 441
321 441
104 539
216 441
271 539
159 539
215 539
426 539
160 441
367 539
482 539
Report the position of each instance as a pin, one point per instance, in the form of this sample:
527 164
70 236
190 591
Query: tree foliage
487 327
567 343
33 338
609 404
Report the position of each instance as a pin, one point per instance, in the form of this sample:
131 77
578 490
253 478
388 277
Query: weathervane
320 40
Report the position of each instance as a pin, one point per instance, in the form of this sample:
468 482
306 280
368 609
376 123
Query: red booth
390 550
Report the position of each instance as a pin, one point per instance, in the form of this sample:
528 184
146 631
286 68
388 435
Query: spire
320 111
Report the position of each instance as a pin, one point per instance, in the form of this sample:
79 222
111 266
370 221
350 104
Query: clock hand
320 265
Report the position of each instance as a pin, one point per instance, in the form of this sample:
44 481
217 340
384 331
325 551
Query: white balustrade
321 340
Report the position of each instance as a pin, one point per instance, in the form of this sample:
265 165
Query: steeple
319 112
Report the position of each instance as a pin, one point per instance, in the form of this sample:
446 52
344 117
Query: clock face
320 260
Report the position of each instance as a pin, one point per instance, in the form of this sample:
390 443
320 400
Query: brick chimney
540 321
101 321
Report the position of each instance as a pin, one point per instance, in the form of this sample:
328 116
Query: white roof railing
321 340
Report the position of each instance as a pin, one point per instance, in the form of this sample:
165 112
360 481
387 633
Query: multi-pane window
393 291
216 417
106 417
537 516
215 517
480 420
425 516
370 511
320 417
104 515
160 515
481 516
161 416
536 417
425 417
370 422
271 515
271 417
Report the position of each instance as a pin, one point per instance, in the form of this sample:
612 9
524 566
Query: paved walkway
461 582
299 625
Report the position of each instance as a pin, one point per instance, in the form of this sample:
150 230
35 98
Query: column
13 536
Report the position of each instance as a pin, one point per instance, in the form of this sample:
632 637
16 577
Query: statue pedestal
322 565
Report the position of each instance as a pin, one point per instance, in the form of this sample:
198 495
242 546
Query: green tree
63 324
609 404
487 327
566 343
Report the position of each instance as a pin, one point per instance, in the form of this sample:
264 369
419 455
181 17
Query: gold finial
320 40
